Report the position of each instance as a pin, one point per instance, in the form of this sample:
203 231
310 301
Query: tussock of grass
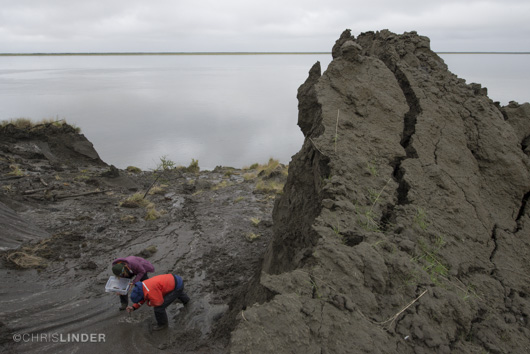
15 171
26 123
269 186
158 189
152 214
222 184
270 176
251 236
250 176
133 169
269 168
136 201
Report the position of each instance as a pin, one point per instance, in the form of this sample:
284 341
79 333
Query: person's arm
135 307
140 272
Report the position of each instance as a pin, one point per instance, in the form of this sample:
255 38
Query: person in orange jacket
158 292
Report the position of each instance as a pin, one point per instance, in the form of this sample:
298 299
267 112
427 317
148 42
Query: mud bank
404 223
65 217
403 226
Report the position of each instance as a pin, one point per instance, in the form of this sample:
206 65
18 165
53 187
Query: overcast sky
28 26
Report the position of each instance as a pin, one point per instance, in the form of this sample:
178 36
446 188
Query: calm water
230 110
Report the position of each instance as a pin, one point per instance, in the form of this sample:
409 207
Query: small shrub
255 221
165 164
193 166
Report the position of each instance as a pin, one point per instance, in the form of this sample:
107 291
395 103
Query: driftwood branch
64 196
79 194
33 191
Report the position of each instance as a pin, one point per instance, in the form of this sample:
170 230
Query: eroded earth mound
404 225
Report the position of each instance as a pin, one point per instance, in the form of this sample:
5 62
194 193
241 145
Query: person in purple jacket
132 267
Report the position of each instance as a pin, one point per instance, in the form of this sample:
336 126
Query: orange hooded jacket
155 288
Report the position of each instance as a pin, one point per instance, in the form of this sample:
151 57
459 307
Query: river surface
229 110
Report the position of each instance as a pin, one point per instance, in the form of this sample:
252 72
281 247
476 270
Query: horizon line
224 53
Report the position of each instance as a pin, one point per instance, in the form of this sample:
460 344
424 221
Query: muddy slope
65 215
404 226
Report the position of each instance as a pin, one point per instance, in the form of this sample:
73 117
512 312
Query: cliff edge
404 225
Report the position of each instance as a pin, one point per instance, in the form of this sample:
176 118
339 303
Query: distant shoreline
164 53
213 53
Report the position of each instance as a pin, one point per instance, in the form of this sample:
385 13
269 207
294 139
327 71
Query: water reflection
230 110
222 110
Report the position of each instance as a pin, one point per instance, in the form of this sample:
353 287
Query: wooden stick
79 195
393 318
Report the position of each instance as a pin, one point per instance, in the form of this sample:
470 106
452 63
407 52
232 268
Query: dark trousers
160 311
124 299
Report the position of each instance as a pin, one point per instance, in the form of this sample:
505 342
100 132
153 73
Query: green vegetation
366 217
266 170
266 175
370 166
430 259
222 184
137 200
165 164
269 186
421 218
133 169
255 221
193 167
15 171
25 123
251 236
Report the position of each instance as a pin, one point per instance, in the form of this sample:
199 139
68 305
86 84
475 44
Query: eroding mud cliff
404 222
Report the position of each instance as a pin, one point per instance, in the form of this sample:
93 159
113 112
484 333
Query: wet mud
212 229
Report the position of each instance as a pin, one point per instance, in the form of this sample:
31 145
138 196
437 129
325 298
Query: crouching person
158 292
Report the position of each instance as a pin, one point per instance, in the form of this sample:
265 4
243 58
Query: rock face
404 225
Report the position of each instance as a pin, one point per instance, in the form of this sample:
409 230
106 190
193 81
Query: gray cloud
211 25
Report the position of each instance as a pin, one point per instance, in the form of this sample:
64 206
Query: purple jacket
138 265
